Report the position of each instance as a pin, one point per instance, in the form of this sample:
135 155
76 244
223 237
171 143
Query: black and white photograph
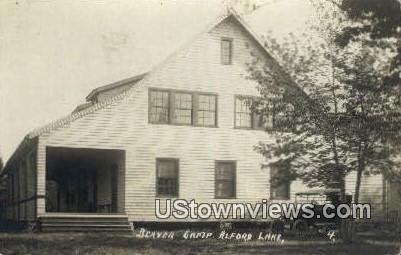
200 127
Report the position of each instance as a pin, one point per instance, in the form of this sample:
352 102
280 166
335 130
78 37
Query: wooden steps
84 223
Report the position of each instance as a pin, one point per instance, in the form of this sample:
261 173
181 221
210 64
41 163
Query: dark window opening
279 188
226 51
167 177
225 179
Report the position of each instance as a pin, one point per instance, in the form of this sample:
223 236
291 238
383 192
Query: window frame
177 162
234 163
171 107
254 115
150 105
196 109
231 50
288 197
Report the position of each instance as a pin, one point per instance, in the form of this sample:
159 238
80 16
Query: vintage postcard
200 127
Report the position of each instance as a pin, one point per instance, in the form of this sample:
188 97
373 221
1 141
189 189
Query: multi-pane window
158 106
226 51
182 108
244 116
167 177
243 113
225 179
279 188
206 110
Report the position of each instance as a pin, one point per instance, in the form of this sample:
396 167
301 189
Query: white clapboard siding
371 191
124 125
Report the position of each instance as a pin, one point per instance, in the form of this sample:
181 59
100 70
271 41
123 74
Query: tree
340 113
371 120
375 105
377 23
301 102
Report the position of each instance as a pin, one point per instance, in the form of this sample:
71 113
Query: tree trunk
344 231
361 167
358 184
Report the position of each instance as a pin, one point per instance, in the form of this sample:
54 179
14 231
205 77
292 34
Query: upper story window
158 106
225 179
207 110
167 177
243 114
226 51
244 117
182 108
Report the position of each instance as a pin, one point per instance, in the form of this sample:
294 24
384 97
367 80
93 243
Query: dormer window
226 51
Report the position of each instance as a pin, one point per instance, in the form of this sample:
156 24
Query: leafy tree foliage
377 23
330 107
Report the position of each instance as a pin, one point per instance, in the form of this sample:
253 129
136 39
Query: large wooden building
182 130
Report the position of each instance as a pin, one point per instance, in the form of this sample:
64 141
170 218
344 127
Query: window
279 189
206 110
243 114
225 178
167 177
158 106
244 117
259 122
182 108
226 51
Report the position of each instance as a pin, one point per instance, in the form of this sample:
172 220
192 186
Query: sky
54 52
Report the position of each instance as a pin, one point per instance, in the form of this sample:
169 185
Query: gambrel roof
93 106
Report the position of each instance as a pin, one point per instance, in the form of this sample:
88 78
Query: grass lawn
80 243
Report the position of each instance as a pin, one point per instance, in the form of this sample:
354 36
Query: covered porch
84 181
